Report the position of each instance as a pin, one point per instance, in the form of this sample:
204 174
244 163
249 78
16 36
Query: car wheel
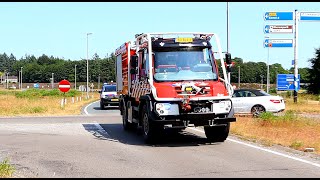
256 110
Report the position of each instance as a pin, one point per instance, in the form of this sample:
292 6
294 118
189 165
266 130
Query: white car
256 101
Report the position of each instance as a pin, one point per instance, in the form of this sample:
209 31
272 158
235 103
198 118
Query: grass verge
43 103
287 130
6 169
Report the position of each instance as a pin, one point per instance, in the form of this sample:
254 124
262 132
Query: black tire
217 133
256 110
150 131
102 106
127 126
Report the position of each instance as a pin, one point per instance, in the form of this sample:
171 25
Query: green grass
38 93
6 170
289 116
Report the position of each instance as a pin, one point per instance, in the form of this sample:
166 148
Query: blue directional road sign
275 43
278 16
278 29
285 82
309 16
36 86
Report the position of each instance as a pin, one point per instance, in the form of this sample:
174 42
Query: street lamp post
52 85
88 65
229 74
239 77
261 81
268 74
75 77
21 77
7 80
99 82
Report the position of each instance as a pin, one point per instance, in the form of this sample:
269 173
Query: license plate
114 99
184 39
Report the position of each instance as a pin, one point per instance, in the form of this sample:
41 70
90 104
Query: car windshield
184 64
109 88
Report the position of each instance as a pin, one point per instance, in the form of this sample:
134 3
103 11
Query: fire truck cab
171 80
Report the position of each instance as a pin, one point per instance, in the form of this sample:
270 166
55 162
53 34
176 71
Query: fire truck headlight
167 109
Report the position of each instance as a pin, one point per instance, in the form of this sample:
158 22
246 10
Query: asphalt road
95 145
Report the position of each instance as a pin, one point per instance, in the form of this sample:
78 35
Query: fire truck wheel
148 127
125 123
217 133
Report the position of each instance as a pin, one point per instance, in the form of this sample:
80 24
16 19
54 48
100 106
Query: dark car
108 96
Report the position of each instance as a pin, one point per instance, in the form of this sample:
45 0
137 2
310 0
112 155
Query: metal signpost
64 86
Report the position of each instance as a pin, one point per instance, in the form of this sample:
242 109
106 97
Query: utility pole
261 81
229 74
295 95
75 77
88 65
239 77
99 82
52 85
21 77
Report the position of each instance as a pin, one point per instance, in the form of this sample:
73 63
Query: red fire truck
171 80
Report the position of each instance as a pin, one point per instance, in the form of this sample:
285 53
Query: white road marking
85 109
101 130
267 150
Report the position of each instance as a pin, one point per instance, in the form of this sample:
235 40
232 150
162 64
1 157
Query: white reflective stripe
64 86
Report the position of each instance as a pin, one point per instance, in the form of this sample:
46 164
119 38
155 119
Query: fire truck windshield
184 64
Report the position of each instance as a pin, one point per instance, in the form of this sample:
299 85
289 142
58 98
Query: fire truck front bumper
198 119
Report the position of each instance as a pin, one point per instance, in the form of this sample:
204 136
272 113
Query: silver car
256 101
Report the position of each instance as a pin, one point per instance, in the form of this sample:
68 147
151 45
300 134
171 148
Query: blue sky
59 28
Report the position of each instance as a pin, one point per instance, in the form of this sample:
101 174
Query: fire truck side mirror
228 59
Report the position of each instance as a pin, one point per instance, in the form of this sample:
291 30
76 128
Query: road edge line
85 108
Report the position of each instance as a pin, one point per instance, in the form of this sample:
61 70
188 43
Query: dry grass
305 104
303 107
293 132
10 105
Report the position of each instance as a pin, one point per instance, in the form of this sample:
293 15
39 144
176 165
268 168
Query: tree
314 74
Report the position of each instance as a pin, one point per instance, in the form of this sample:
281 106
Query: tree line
40 69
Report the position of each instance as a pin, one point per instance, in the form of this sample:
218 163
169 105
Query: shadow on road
115 132
106 108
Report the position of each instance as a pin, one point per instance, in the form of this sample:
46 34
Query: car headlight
167 109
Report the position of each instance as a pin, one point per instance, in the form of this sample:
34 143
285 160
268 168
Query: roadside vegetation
289 130
36 102
6 169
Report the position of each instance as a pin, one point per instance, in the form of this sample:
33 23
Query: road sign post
64 86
